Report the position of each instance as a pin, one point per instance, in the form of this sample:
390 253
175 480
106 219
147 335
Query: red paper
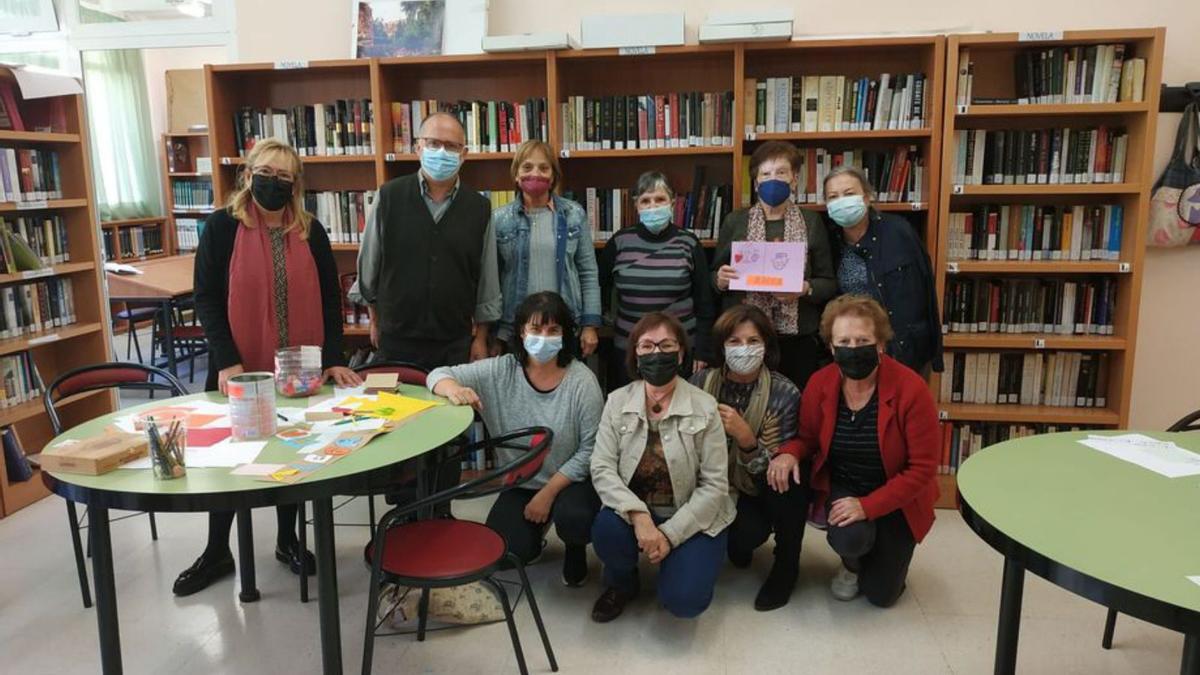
203 438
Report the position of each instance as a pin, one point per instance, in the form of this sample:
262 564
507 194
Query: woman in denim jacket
545 244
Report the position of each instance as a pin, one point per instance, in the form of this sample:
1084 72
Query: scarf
252 315
784 315
741 473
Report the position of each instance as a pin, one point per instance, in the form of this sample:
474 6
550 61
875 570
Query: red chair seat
189 332
439 549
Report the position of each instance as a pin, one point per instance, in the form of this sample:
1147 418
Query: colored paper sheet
395 407
207 437
768 266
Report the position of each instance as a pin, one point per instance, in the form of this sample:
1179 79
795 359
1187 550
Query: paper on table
121 268
1195 580
768 266
395 407
256 469
225 454
1162 457
349 424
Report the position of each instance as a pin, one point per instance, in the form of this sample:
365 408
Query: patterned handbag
1175 205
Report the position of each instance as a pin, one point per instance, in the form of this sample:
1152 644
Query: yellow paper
394 407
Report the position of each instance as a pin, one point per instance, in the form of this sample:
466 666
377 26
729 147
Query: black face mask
857 363
271 192
658 368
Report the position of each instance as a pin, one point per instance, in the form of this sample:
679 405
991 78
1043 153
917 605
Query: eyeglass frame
439 144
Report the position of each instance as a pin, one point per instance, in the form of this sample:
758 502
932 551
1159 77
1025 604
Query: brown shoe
610 604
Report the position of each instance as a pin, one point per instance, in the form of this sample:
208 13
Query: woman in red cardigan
869 428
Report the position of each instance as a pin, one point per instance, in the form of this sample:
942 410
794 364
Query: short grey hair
857 173
652 181
457 122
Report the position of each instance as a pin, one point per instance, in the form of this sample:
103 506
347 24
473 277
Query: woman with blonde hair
545 244
260 264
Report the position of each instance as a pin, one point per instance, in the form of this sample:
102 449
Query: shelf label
564 153
957 189
962 109
943 415
34 274
390 157
916 206
29 206
750 136
951 268
43 339
1040 35
1124 268
1039 343
635 51
291 64
226 161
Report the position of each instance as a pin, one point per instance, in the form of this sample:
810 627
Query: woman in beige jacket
661 469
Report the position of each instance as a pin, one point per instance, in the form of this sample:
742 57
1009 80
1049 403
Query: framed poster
398 27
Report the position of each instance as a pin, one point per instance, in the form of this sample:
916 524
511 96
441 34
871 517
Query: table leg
1010 617
327 592
106 592
1191 656
168 310
245 528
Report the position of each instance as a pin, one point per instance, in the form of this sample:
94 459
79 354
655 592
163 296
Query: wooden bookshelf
87 341
993 57
180 152
111 231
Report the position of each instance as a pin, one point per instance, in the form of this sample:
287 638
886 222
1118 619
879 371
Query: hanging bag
1175 204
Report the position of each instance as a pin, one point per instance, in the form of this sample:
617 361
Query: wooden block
380 382
96 455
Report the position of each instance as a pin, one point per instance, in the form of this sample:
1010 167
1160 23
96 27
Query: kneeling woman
870 427
540 383
661 470
759 409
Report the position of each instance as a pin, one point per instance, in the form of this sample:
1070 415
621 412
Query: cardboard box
377 382
96 455
529 42
631 30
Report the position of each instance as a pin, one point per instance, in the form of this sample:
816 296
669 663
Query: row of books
674 120
132 242
187 233
1055 306
22 382
1105 73
1058 378
492 126
36 306
192 194
345 127
960 440
813 103
1036 232
898 175
1040 156
701 210
29 175
343 214
354 314
44 235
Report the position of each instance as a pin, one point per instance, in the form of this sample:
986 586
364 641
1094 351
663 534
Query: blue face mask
656 219
847 211
774 192
440 164
542 348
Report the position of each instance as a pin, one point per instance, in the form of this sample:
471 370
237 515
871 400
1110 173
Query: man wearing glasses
427 267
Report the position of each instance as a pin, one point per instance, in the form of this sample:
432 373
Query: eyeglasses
667 346
270 172
438 144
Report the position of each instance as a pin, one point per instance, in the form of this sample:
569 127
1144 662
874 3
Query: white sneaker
844 585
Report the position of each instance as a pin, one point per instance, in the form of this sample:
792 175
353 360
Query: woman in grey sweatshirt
540 383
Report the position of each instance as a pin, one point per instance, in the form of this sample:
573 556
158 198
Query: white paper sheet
256 469
226 454
1162 457
1195 580
338 426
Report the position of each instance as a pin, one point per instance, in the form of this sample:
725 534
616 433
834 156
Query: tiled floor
945 622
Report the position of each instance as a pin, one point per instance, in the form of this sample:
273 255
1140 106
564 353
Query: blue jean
686 577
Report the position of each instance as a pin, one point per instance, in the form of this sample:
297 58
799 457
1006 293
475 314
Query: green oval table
217 489
1103 528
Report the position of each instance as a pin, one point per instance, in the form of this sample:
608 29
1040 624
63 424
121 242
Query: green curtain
124 156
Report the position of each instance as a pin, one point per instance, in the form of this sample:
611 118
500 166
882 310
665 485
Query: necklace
656 404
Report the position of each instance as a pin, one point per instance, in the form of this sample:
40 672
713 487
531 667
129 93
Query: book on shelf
140 241
29 174
22 382
1036 232
36 307
1053 306
898 175
192 194
187 233
1065 379
354 314
960 440
1100 73
108 239
343 127
1040 156
16 464
700 211
491 126
823 103
647 121
343 214
43 242
10 113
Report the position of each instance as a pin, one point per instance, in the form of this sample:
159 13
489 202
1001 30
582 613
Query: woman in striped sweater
655 267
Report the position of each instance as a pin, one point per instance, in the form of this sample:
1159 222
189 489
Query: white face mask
744 359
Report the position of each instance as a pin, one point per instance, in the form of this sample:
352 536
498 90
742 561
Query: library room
503 336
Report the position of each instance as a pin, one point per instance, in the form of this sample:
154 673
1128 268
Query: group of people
721 428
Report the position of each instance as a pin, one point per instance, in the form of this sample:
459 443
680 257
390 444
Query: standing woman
655 267
879 255
261 264
870 428
775 167
545 244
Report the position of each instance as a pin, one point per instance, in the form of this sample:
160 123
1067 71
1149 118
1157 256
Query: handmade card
768 266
